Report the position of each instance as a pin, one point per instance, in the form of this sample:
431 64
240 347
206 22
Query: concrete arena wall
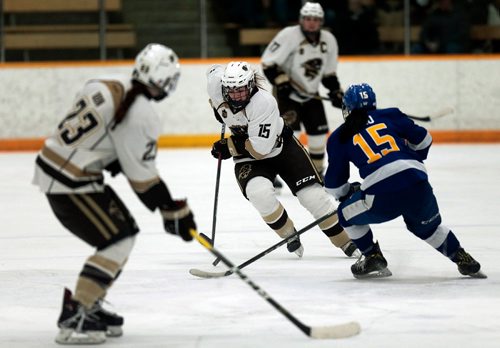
34 97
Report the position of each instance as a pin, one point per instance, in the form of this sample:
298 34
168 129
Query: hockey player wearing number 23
389 149
262 147
113 127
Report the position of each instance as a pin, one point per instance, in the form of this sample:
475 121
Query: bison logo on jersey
312 68
239 130
244 171
115 211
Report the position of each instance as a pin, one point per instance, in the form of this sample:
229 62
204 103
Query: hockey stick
431 117
334 331
216 198
428 118
204 274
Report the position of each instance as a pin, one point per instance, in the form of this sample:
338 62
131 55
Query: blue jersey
389 153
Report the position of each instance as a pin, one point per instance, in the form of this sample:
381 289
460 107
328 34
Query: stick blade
336 331
202 274
443 112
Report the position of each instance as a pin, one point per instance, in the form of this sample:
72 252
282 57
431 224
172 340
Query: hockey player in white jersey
262 146
111 126
296 62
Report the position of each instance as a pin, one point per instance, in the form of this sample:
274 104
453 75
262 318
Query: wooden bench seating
34 6
32 37
262 36
62 36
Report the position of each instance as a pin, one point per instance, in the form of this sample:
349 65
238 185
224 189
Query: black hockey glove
336 98
354 187
283 90
285 104
179 220
220 148
114 168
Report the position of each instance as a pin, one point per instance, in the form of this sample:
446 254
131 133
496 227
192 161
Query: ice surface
426 303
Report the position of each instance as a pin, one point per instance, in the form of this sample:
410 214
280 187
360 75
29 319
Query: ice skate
294 246
467 265
76 326
113 321
351 250
373 265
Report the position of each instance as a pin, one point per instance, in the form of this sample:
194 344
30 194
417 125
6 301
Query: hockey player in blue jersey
388 149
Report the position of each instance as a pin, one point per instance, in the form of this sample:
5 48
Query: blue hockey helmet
358 97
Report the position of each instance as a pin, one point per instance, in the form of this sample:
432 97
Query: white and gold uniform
73 158
305 63
270 149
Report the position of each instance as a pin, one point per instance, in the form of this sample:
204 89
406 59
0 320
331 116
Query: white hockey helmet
238 83
312 9
157 66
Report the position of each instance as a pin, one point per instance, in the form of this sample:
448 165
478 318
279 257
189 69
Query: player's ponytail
354 123
132 93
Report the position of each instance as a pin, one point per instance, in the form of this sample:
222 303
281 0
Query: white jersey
260 119
73 158
304 63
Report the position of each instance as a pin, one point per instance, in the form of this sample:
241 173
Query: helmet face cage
358 97
238 80
157 66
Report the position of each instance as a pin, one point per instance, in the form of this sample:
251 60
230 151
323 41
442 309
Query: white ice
426 303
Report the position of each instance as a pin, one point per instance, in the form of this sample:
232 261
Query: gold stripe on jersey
66 165
143 186
274 216
92 218
251 150
110 267
102 214
340 239
117 91
87 292
287 229
329 222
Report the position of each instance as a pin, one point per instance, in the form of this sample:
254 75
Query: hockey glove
179 220
220 148
354 187
114 168
336 98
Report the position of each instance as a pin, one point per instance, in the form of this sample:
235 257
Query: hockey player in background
296 62
262 146
111 126
388 149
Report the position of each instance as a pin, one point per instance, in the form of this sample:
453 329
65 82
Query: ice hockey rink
426 303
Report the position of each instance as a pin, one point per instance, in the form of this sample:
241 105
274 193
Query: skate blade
70 336
479 275
376 274
114 331
300 251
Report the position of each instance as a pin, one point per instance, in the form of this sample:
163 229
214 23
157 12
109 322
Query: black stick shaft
283 241
304 328
217 184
